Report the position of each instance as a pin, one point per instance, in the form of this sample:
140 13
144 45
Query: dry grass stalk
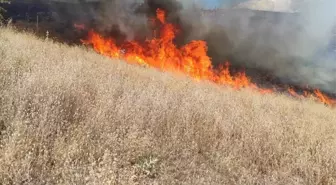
71 116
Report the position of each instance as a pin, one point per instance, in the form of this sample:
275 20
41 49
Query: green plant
148 165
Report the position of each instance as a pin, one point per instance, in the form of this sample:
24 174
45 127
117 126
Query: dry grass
70 116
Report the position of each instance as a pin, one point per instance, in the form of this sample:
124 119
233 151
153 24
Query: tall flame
191 59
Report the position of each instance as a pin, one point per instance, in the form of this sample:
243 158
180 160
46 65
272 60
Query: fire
324 98
191 59
160 14
292 92
162 53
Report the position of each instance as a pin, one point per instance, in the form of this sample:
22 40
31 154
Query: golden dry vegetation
71 116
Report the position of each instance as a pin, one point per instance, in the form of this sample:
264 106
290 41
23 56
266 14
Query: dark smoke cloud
289 46
130 17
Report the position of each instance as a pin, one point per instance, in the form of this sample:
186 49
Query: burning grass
191 59
68 115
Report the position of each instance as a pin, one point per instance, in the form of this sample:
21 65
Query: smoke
294 47
119 18
291 46
318 22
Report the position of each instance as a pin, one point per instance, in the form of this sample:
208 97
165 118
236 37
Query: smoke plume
291 46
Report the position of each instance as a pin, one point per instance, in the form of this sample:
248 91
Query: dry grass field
71 116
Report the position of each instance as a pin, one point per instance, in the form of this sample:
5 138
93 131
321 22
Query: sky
211 3
217 3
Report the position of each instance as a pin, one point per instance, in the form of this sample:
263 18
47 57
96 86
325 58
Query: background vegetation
2 10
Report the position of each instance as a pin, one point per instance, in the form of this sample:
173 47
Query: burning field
71 116
269 52
154 102
192 59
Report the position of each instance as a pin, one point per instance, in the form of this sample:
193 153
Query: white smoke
291 46
269 5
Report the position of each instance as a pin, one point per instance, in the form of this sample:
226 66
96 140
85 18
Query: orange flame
324 98
161 15
191 59
292 92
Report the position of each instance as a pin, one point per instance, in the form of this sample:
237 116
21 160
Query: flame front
191 59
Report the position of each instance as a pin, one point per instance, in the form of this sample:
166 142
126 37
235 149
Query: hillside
71 116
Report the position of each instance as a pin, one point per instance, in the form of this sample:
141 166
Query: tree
2 10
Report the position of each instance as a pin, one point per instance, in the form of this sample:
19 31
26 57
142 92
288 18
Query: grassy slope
68 115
